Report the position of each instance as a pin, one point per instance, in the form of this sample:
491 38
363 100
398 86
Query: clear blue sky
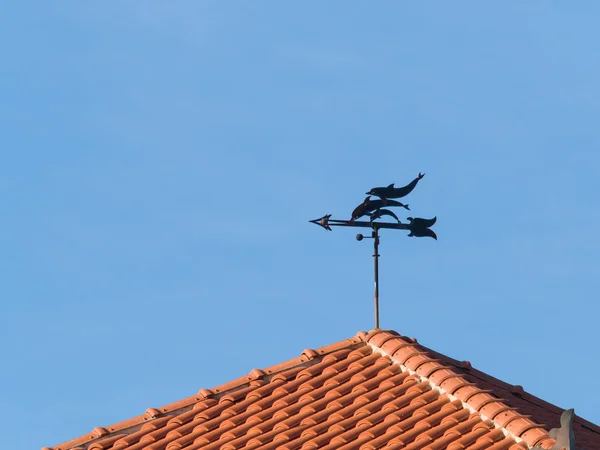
161 160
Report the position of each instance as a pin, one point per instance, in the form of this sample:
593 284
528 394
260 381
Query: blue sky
161 160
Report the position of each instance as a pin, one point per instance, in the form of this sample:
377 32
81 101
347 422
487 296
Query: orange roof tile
375 390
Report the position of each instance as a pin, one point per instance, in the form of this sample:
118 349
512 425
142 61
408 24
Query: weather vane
376 209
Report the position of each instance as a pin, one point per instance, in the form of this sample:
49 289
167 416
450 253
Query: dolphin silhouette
361 209
393 192
374 205
383 212
369 205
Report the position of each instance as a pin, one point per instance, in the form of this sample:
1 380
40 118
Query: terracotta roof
375 390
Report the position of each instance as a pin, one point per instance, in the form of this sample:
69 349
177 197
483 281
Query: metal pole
375 235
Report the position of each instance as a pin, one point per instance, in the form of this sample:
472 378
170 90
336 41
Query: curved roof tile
375 390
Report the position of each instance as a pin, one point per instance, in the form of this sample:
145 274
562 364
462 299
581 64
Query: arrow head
322 222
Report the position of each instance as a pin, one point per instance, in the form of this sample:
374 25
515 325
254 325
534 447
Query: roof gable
375 390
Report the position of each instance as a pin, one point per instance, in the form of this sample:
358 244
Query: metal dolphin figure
383 212
420 227
361 209
374 205
392 192
369 205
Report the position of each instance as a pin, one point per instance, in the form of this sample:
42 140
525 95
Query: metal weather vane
375 209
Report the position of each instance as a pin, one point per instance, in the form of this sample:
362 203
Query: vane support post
375 235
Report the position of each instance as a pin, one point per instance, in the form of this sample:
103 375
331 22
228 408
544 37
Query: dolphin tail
405 190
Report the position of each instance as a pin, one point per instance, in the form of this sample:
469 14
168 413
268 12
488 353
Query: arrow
417 225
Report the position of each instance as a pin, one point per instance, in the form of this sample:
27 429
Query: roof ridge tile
405 354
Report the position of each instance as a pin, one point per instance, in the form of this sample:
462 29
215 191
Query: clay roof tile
374 390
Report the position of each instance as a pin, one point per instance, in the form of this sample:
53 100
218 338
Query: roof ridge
416 359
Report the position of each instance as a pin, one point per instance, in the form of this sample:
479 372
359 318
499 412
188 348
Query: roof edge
306 358
415 359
